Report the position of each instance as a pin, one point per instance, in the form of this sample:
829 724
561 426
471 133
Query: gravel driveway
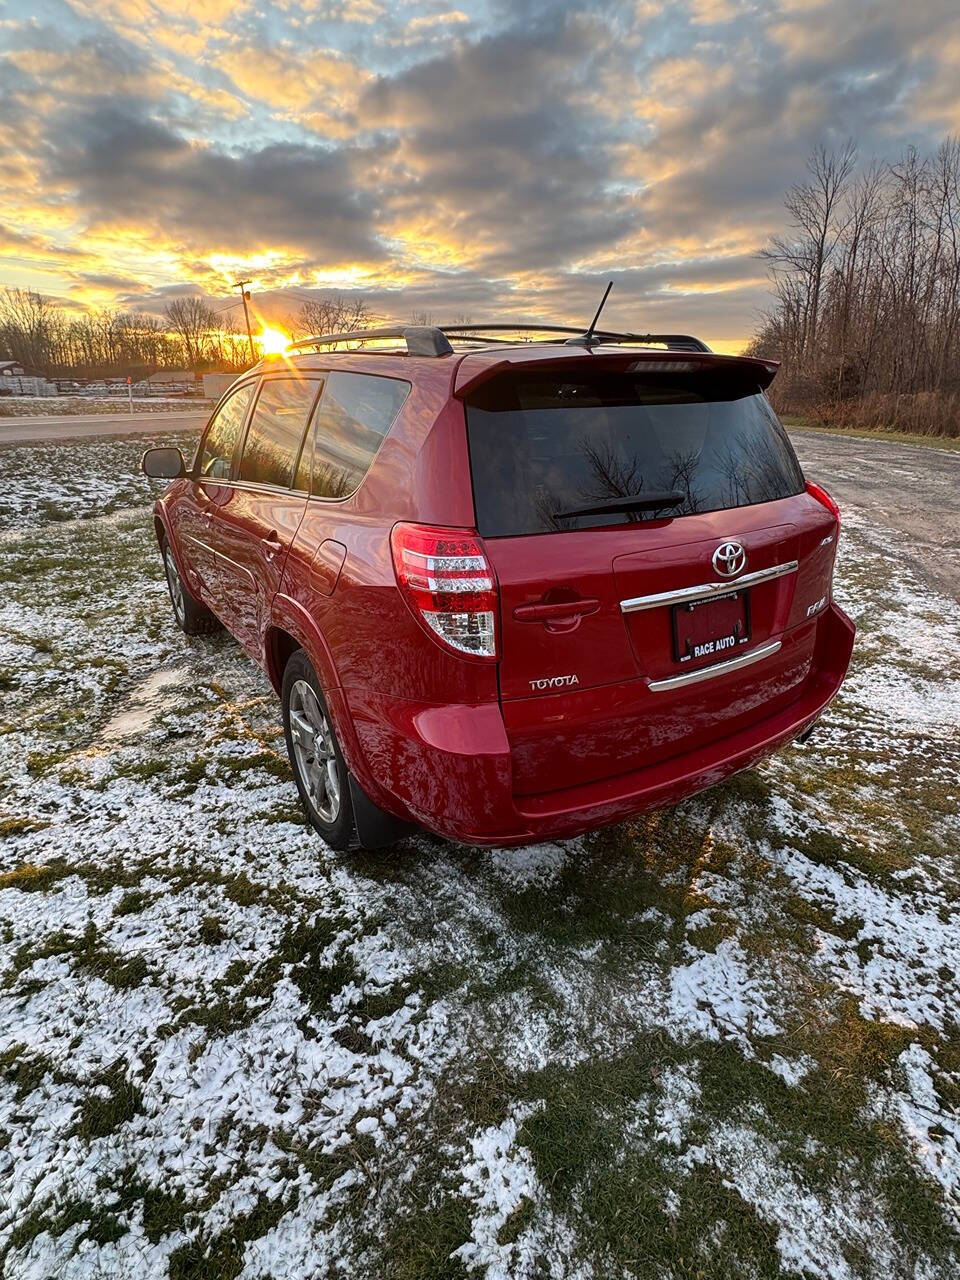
911 492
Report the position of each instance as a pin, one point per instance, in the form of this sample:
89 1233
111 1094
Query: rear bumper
449 768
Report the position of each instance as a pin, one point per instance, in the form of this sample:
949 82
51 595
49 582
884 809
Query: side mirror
163 464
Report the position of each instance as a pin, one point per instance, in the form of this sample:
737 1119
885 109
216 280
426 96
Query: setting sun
273 341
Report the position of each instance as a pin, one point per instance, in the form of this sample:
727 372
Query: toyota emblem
729 558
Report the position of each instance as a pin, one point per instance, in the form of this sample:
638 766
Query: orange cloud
293 81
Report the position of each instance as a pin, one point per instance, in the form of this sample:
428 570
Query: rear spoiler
476 369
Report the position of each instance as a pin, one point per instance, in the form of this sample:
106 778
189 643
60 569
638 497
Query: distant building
165 376
17 379
215 384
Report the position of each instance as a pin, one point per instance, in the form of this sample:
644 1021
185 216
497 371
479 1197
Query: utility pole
245 294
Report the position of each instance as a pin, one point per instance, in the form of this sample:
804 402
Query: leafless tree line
866 286
45 336
330 315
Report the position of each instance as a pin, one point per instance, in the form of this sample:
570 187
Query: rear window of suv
540 446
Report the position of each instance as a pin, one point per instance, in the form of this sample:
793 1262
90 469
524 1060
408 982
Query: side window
280 416
220 442
355 414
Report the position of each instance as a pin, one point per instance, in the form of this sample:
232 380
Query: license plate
710 630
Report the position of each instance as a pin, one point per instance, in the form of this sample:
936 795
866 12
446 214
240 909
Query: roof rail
673 341
434 340
421 340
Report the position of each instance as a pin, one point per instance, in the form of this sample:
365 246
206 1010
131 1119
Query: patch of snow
716 996
790 1071
676 1105
535 864
932 1129
147 699
813 1232
498 1179
911 939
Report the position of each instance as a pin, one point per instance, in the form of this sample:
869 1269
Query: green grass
793 423
418 1244
246 989
24 1071
87 952
27 877
100 1116
221 1257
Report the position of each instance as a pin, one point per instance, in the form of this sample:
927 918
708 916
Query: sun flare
273 341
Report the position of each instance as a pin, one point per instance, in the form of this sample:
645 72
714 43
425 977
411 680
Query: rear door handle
272 544
556 611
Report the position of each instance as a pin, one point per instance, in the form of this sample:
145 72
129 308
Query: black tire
315 756
192 617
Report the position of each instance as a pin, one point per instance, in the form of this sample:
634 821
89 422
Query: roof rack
608 337
421 340
434 340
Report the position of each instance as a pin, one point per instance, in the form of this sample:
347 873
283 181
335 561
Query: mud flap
806 734
375 828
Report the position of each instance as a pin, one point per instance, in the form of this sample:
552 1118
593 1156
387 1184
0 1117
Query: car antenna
588 339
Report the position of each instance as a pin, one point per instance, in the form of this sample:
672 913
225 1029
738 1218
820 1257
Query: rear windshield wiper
653 501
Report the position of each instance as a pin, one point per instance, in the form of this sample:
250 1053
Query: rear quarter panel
421 474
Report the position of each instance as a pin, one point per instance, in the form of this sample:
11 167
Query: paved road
909 494
82 426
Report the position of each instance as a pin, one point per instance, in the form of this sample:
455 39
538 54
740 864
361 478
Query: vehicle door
260 510
206 488
355 413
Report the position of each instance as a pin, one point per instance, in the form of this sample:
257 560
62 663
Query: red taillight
825 500
448 582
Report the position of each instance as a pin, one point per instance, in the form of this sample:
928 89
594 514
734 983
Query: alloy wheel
314 751
175 584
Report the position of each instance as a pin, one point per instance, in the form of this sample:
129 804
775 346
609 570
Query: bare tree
43 334
193 319
30 328
865 314
817 220
331 315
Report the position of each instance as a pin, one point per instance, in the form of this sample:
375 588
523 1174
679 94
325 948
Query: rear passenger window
280 416
223 434
356 412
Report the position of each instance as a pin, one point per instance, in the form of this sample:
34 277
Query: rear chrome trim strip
687 595
720 669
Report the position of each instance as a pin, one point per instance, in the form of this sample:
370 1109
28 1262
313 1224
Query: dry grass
922 413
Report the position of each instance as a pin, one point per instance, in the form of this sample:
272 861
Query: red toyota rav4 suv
514 590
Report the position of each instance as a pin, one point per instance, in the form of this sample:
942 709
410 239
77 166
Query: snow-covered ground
720 1041
46 483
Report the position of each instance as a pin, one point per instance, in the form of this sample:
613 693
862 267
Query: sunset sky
487 159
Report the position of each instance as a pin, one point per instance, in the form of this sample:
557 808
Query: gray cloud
125 166
499 132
